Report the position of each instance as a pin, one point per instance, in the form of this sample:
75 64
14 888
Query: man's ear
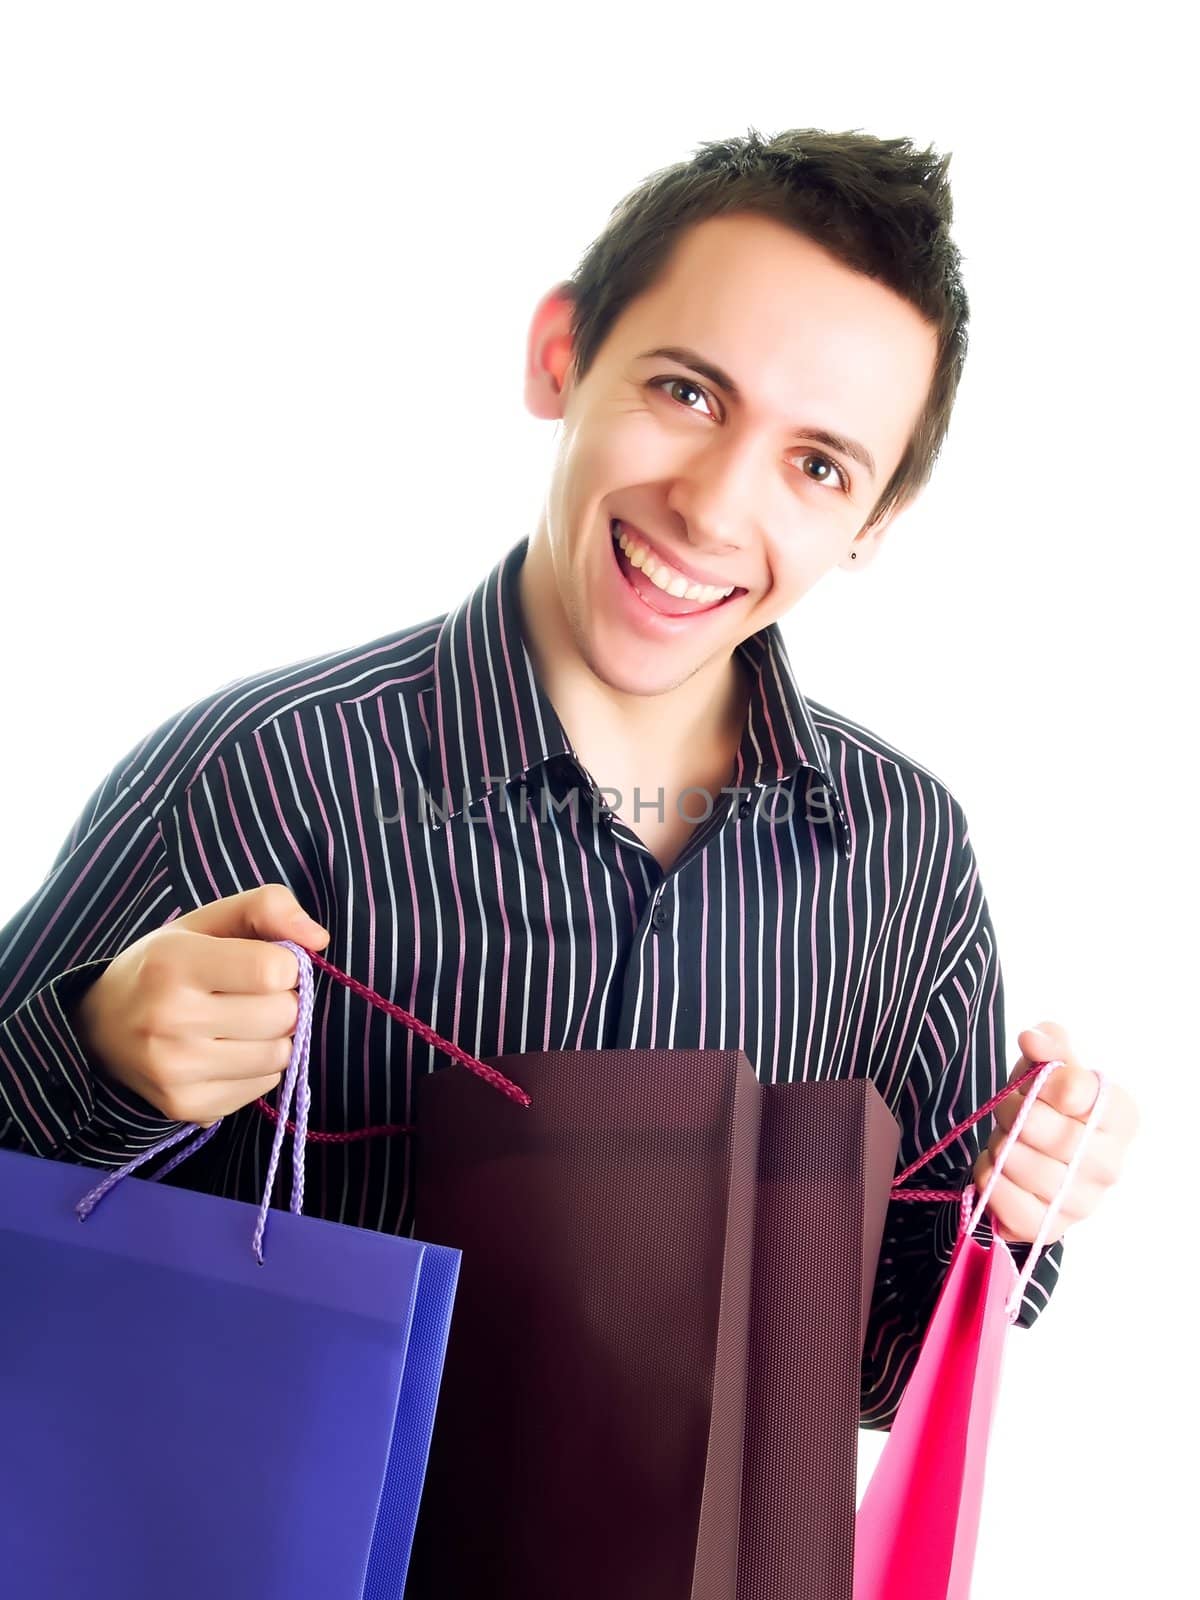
548 354
867 542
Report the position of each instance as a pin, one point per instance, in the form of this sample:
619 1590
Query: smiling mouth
651 594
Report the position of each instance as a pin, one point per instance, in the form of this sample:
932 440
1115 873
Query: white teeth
664 577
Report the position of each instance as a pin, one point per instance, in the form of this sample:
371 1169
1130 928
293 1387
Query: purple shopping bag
181 1415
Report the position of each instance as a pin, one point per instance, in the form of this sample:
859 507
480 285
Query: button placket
748 801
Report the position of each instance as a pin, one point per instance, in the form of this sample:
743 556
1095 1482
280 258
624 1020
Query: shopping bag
187 1414
653 1377
917 1525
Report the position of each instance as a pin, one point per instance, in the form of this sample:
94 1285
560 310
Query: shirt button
660 914
744 806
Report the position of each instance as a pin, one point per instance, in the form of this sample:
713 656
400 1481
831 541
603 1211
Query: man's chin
627 669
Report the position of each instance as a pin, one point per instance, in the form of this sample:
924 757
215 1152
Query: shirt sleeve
109 884
959 1063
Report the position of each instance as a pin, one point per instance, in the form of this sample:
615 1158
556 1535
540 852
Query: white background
265 283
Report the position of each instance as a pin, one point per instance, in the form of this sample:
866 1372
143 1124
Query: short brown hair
881 206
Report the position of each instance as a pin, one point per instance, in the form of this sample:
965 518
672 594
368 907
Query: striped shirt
421 798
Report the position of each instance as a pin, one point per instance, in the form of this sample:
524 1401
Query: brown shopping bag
651 1387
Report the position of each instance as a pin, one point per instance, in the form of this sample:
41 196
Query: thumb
269 912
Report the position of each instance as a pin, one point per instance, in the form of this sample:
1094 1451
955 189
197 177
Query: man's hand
1036 1165
197 1016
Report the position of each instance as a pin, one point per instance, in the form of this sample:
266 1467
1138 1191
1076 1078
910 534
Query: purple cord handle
295 1082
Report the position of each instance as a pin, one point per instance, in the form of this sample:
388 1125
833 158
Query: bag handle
297 1071
1013 1308
969 1219
1038 1070
296 1076
295 1084
490 1075
422 1029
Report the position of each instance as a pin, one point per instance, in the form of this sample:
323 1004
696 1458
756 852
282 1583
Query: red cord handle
951 1194
497 1080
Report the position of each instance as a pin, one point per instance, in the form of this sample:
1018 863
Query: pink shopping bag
917 1525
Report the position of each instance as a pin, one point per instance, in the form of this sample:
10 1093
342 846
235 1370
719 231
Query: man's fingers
247 1017
235 966
204 1105
1035 1181
268 912
226 1061
1052 1134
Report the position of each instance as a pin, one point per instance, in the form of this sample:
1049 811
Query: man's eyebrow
716 375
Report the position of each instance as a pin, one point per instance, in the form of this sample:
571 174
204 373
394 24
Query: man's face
737 491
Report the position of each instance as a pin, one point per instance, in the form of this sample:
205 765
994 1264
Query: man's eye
667 383
682 383
812 455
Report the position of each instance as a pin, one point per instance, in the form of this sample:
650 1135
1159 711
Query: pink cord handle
1045 1068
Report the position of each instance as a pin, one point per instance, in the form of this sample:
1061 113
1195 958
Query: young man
754 369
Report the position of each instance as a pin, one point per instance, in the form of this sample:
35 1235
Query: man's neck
687 733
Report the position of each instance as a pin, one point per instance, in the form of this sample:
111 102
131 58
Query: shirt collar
490 720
